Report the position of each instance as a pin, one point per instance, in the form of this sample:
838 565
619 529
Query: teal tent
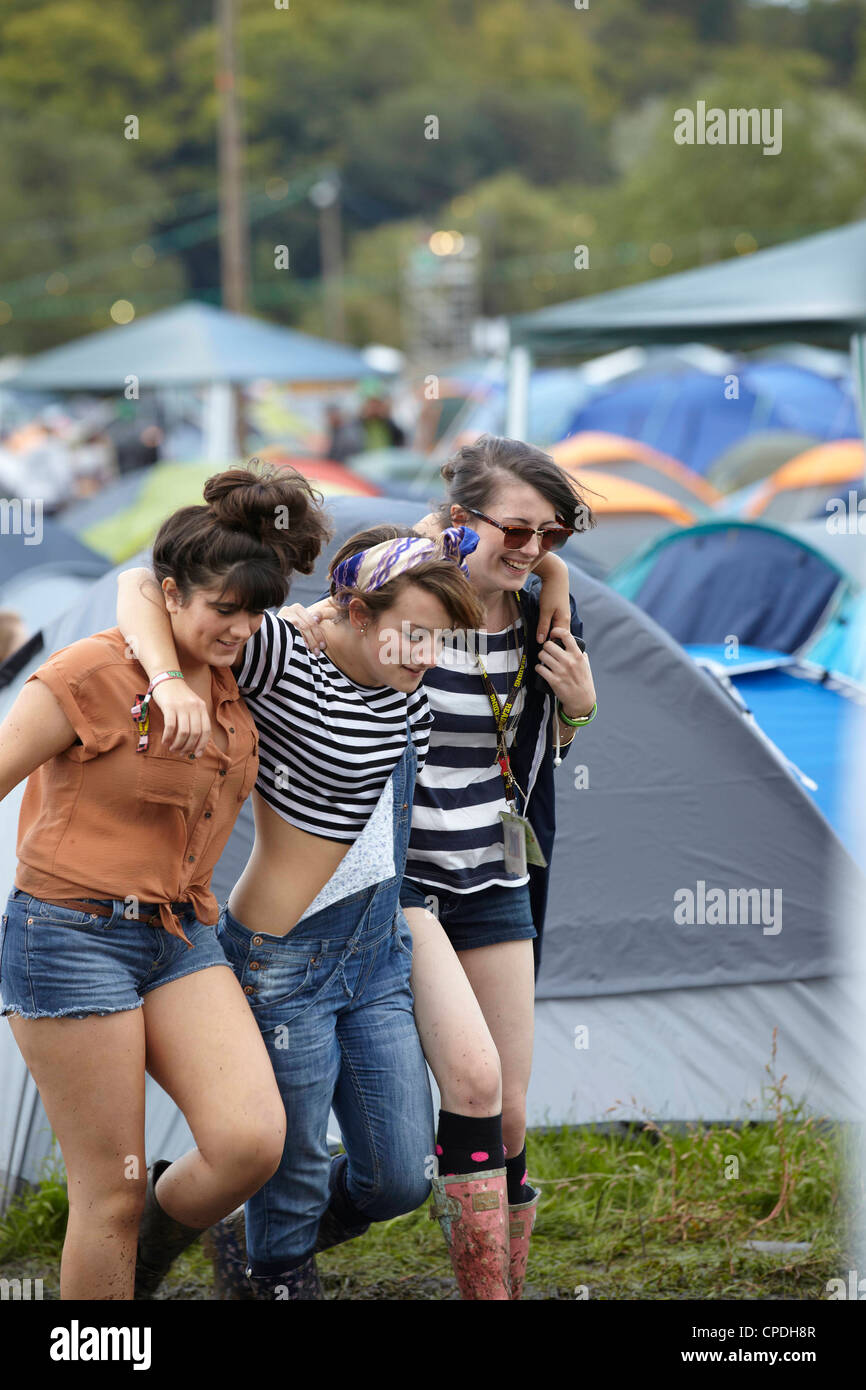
193 345
190 344
814 288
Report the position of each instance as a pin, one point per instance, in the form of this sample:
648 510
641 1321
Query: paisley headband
370 569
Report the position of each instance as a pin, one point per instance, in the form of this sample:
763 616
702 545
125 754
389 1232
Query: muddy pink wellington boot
521 1219
472 1209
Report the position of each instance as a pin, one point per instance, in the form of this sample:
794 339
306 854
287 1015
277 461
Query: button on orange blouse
104 821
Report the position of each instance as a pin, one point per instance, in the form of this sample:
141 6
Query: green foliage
35 1224
552 120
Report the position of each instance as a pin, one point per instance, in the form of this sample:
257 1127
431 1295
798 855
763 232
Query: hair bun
277 505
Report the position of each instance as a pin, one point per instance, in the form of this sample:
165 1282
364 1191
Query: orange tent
841 461
595 448
609 495
331 479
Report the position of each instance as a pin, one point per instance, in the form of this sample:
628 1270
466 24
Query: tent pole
220 428
858 372
517 408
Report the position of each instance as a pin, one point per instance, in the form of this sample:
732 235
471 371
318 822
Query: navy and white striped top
327 746
456 840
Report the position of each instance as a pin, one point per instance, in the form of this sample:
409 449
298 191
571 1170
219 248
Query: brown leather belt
99 909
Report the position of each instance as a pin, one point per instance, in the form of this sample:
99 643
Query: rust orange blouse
103 821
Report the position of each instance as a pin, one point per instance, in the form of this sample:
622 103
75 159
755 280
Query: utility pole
325 195
234 233
234 238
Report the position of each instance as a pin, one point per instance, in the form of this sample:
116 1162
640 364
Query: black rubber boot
298 1285
225 1245
340 1218
160 1238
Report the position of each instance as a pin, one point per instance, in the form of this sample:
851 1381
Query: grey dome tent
647 1003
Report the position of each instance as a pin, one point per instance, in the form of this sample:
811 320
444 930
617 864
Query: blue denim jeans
334 1004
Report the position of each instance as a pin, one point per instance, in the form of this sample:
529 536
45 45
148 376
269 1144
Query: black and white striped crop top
327 746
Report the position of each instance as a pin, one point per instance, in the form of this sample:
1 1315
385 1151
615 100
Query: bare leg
90 1075
503 980
205 1049
456 1040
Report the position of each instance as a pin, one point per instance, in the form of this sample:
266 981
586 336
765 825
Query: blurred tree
713 20
65 258
834 29
551 120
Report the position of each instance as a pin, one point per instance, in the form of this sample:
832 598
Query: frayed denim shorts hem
58 963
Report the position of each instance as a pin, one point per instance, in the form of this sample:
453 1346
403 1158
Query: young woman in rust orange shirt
109 961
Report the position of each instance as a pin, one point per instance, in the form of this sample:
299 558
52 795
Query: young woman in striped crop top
505 704
313 929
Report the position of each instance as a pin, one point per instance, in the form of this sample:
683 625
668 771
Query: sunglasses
515 537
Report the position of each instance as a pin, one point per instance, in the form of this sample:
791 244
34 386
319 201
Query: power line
259 206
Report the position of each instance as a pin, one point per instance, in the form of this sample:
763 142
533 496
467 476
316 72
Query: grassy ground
641 1213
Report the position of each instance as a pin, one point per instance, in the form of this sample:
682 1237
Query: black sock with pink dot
469 1143
515 1176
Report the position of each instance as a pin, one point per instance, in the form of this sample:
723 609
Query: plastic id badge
521 845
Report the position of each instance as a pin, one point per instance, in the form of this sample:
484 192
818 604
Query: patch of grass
648 1212
35 1224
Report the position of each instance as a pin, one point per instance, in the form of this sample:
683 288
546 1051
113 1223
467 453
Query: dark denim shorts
56 963
494 914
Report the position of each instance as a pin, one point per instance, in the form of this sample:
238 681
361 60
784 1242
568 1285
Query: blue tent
732 578
808 716
841 645
694 416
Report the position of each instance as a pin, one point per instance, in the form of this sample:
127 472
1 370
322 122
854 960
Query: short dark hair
475 471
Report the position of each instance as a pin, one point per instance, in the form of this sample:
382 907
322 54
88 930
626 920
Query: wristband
164 676
576 723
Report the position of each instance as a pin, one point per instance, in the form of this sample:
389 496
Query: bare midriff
288 867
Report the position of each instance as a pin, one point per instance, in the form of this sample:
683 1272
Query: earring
363 629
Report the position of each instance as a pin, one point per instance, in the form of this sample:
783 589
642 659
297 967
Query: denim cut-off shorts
56 963
485 918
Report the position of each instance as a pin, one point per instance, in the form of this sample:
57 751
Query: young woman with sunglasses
504 710
313 928
110 962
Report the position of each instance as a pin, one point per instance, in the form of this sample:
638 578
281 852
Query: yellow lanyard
500 715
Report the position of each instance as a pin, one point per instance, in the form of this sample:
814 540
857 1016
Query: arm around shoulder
144 621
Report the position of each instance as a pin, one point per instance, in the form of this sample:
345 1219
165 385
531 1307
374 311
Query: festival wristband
140 711
164 676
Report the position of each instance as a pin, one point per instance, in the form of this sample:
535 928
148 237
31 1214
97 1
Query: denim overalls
335 1007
